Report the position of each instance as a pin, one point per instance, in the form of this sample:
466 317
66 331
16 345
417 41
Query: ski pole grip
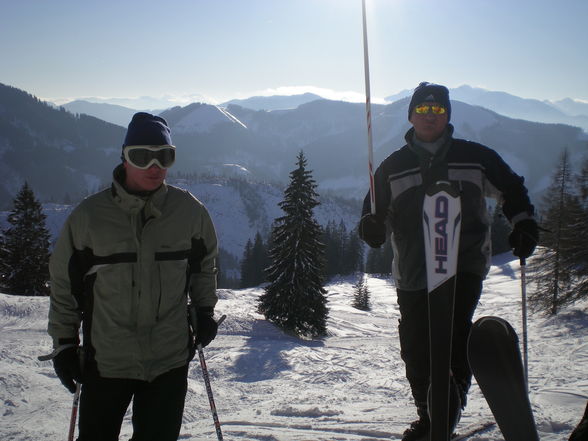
192 314
56 352
194 321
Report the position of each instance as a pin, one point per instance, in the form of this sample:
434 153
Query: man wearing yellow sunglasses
125 264
432 154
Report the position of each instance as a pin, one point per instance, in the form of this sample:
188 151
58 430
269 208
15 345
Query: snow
203 118
269 386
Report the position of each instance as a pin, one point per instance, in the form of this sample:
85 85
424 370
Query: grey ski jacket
475 170
121 268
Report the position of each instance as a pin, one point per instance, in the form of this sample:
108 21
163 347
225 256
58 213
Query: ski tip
493 322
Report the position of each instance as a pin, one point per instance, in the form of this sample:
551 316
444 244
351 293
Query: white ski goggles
144 156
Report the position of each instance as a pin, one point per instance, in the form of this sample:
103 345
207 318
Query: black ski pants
414 336
158 406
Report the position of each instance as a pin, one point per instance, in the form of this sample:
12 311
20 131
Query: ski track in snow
269 386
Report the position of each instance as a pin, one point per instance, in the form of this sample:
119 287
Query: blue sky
216 50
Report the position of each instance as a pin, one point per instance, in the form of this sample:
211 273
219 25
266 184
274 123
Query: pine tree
254 263
295 298
553 269
333 249
353 253
226 265
577 249
260 260
343 250
247 266
361 296
499 232
25 247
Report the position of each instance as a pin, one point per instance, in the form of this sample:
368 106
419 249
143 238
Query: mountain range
237 159
564 111
61 153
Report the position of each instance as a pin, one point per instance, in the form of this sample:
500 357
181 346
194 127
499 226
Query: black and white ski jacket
475 170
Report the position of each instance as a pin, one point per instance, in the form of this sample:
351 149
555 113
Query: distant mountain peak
198 117
274 102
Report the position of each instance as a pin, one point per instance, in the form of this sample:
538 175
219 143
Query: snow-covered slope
201 118
269 386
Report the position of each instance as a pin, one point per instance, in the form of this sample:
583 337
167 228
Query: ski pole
206 377
76 398
524 318
368 110
74 412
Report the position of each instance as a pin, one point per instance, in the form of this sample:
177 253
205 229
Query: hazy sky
222 49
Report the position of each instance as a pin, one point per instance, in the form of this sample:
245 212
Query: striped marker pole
368 109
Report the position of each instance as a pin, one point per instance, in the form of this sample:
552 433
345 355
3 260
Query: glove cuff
205 310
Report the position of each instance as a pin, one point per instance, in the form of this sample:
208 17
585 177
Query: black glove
524 238
67 367
206 326
372 231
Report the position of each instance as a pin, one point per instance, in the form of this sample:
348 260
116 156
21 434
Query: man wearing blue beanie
128 260
432 154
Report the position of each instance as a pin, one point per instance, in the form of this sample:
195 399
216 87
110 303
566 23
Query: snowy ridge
231 116
270 386
203 118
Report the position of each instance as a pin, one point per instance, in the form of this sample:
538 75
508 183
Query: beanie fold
147 129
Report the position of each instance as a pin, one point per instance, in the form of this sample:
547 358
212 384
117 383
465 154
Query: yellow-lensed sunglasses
436 109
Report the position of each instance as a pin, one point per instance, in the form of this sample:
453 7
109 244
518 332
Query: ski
495 360
441 228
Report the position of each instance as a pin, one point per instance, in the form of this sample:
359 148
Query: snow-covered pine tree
361 294
295 299
25 247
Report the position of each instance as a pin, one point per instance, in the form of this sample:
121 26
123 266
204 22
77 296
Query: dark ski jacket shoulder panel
476 171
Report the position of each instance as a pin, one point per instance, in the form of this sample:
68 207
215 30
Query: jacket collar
151 203
421 152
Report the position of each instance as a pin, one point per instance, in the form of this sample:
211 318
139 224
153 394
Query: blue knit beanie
430 92
147 129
